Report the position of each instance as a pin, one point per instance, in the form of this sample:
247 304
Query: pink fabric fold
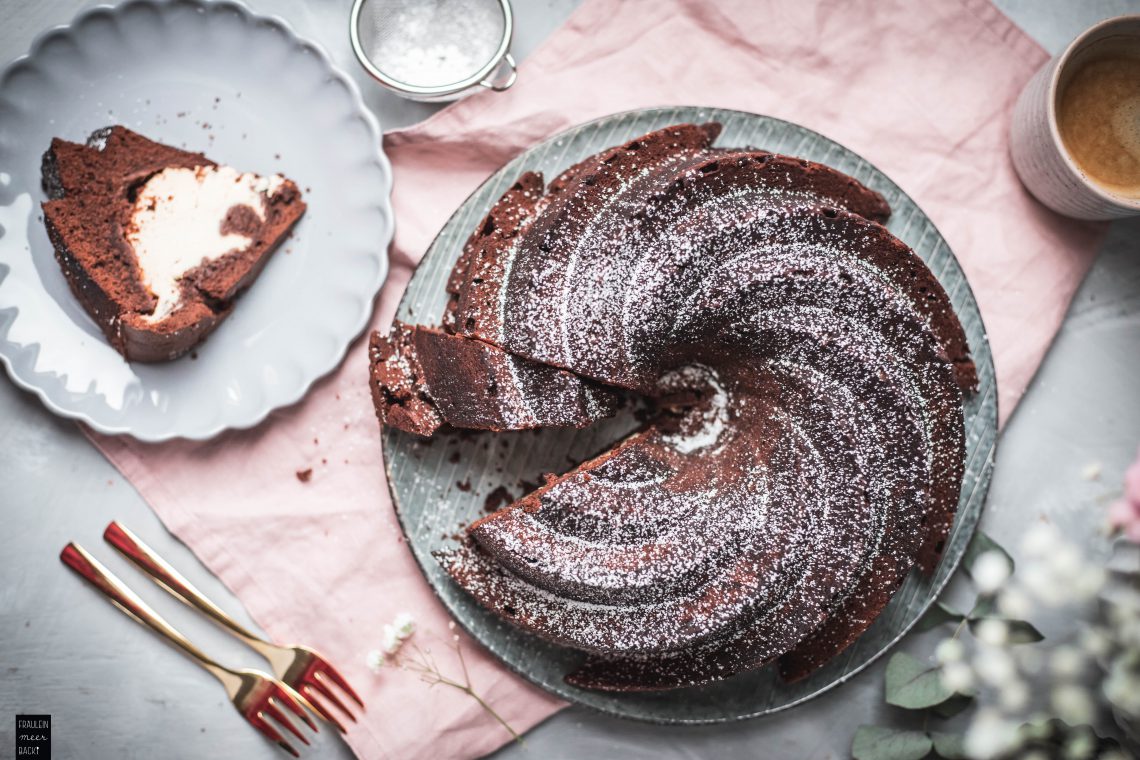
924 92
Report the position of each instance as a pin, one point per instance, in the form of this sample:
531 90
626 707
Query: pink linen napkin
923 91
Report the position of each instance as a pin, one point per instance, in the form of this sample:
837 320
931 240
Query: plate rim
982 483
372 124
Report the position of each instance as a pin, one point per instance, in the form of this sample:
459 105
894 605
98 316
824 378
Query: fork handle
91 570
133 548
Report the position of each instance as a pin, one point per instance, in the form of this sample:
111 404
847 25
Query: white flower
1040 540
990 735
1067 662
392 636
990 571
1039 579
1089 582
1072 704
404 624
949 650
1095 642
1122 688
995 666
1080 745
1014 696
375 660
992 631
1015 604
957 677
1066 562
390 639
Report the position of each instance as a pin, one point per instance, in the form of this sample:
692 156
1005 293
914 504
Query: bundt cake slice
157 242
422 378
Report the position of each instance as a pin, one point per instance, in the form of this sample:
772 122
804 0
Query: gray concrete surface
113 692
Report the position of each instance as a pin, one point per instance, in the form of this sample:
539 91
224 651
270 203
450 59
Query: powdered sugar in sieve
433 49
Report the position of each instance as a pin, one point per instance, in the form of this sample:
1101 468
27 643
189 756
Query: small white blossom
1122 688
957 677
1040 541
995 666
992 631
1015 604
1072 704
1095 642
990 571
1081 745
950 650
1014 696
1039 579
1066 562
990 735
375 660
1089 582
1067 662
390 639
404 624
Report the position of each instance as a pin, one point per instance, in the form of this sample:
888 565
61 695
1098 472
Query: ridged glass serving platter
441 486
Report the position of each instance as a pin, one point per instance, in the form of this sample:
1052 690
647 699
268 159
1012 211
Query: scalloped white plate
246 91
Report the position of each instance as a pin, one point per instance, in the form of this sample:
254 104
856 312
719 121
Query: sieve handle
504 75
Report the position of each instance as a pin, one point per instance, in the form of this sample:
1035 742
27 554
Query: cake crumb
497 498
463 485
305 475
1092 471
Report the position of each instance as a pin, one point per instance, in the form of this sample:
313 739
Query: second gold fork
301 668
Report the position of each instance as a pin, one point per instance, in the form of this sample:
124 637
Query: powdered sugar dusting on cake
707 427
808 444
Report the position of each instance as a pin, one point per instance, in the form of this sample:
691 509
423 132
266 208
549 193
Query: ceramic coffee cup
1045 165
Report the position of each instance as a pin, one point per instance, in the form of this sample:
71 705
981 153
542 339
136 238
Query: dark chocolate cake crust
91 190
809 373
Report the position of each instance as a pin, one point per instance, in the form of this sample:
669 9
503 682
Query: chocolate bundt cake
807 370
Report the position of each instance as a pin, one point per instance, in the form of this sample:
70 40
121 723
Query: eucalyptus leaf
979 545
938 614
953 706
914 685
1020 631
949 746
985 607
881 743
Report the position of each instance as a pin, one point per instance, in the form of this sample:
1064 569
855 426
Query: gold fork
298 667
255 695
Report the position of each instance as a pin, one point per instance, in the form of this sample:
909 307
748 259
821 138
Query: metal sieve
435 50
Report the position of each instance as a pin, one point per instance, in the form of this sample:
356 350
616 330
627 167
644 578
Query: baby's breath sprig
422 662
